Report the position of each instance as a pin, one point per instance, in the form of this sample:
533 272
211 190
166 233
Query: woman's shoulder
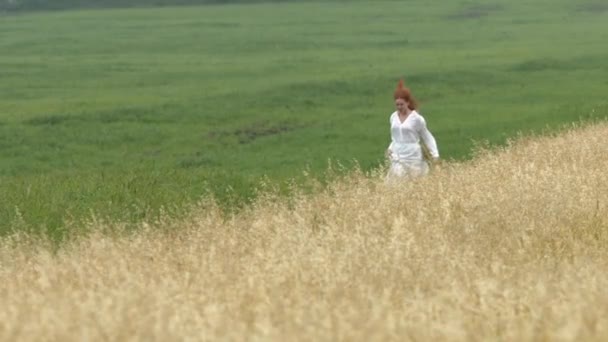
419 121
418 116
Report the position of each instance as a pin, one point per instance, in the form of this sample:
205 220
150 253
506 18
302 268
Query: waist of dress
401 145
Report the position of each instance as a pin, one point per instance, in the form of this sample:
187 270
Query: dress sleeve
427 138
390 123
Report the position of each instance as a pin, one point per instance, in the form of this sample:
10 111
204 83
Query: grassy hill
121 112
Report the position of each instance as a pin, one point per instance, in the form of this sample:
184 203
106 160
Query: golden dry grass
511 246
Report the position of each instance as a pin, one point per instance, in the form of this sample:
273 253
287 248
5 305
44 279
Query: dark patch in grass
540 65
195 161
454 78
593 7
164 114
249 134
475 12
255 131
49 120
141 115
119 116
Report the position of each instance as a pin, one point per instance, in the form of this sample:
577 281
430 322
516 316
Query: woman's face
401 105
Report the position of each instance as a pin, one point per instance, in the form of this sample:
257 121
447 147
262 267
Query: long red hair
405 94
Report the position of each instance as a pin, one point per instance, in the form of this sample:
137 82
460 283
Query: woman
408 130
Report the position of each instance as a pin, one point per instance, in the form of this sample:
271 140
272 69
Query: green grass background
121 112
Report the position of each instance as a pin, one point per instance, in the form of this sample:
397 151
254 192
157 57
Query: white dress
405 151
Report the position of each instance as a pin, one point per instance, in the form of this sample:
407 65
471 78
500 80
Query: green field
120 112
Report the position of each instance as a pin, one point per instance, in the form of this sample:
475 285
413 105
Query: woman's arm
428 139
389 151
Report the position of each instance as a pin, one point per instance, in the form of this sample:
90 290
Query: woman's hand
436 163
388 154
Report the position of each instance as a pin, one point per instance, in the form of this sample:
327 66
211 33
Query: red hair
405 94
